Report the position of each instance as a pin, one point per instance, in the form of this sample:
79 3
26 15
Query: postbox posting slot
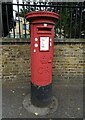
44 30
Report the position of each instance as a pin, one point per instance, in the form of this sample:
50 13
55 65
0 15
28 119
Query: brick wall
68 63
16 64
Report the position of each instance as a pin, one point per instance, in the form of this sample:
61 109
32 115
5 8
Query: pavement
70 101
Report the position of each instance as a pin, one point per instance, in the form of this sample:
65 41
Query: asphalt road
70 102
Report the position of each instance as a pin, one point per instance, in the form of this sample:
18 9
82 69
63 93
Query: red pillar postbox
42 47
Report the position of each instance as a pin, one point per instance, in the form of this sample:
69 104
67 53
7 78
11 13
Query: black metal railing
70 25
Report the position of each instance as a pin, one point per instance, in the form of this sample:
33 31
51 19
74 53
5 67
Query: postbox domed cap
39 14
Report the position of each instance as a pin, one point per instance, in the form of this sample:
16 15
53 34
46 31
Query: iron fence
70 25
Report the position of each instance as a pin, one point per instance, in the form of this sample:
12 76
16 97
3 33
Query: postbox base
41 96
40 111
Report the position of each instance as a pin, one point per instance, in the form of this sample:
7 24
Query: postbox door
42 56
